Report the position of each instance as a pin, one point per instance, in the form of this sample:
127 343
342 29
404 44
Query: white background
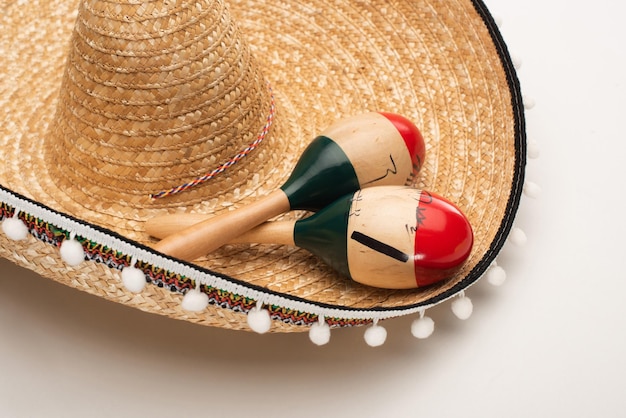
550 342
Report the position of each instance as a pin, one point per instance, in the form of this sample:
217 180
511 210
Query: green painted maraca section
325 234
322 174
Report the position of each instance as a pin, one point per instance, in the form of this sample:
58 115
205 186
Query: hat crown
154 94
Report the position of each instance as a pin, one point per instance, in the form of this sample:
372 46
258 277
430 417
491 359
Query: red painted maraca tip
443 241
412 138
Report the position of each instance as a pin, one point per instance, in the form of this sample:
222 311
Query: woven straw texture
106 102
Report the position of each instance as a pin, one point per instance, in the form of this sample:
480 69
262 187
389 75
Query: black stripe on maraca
379 246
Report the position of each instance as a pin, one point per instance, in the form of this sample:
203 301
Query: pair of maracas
367 225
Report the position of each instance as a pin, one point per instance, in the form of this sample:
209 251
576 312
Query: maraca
362 151
393 237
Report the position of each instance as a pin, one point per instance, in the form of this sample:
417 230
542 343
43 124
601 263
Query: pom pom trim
462 306
104 246
134 279
259 319
195 300
496 275
423 327
319 333
375 335
14 228
72 251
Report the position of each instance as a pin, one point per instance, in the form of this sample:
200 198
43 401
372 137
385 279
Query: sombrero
110 109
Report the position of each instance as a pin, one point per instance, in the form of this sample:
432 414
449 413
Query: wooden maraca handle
163 226
200 239
277 232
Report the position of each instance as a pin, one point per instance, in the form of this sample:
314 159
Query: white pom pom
320 333
133 279
496 275
375 335
72 251
532 149
462 307
14 228
518 237
194 300
422 327
531 189
529 102
259 320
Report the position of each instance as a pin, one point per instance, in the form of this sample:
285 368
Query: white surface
549 342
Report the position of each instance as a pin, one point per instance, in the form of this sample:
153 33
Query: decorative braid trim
116 252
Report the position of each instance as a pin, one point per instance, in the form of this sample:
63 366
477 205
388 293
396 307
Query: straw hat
108 104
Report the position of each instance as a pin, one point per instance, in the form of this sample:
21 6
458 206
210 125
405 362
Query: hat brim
443 65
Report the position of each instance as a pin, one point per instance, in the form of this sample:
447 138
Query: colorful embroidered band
231 162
